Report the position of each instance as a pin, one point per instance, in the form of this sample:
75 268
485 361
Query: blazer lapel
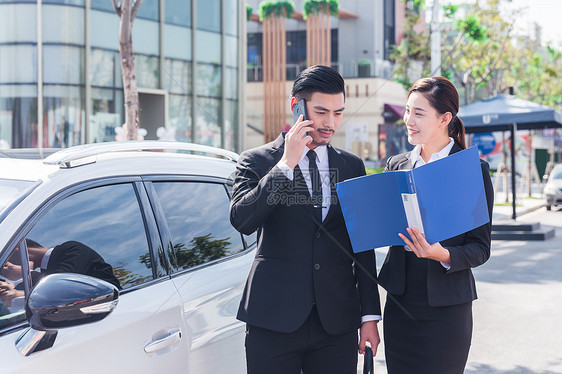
408 165
456 148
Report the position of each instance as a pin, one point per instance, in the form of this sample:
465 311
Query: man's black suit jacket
298 263
468 250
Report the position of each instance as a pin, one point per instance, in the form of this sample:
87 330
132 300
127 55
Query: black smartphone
298 109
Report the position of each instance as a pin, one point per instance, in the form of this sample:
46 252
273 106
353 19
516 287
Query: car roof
24 169
114 159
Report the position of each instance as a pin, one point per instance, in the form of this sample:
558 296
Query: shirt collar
45 260
416 153
321 152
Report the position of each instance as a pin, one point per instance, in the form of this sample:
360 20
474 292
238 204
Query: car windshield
10 190
557 175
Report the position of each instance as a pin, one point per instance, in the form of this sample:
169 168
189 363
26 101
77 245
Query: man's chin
318 142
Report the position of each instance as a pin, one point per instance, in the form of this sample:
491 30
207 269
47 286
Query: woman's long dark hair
443 97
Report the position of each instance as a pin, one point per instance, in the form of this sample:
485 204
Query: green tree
476 49
414 48
536 75
202 249
481 54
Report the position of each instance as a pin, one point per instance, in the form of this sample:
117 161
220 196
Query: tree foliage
311 7
249 12
276 9
482 55
537 76
413 48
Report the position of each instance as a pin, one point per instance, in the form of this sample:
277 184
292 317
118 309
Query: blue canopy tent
508 113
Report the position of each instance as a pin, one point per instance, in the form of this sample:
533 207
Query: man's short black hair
32 243
317 78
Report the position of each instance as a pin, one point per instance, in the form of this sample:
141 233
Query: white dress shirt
418 161
323 167
46 258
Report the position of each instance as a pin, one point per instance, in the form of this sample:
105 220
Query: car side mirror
64 300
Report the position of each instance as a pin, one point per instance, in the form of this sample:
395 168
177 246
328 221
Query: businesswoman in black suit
428 315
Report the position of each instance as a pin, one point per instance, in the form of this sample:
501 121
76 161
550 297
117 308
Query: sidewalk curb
532 209
522 212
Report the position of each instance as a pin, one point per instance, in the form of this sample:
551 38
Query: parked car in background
553 188
125 261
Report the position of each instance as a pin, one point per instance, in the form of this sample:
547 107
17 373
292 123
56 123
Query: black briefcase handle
368 364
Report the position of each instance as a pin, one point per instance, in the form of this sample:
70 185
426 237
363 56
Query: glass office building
60 72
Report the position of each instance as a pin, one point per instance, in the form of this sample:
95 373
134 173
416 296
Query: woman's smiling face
423 122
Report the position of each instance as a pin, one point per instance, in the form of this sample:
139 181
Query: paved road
518 316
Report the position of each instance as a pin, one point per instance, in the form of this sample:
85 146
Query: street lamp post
435 41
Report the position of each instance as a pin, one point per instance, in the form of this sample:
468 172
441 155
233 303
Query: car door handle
167 341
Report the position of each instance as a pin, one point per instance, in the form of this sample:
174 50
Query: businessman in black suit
307 292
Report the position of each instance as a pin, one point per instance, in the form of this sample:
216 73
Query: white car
553 187
121 261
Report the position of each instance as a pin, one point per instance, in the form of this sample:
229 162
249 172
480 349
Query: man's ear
293 102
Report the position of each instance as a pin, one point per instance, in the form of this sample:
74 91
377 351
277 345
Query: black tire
548 207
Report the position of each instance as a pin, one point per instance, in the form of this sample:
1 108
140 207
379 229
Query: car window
198 219
98 232
11 189
12 296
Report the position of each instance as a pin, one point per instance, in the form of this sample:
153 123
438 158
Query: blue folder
443 199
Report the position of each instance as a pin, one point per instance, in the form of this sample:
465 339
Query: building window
63 24
178 12
18 115
18 23
63 64
231 83
177 42
207 129
106 114
209 15
103 5
65 2
147 71
18 64
206 53
177 76
149 9
208 80
179 118
63 116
